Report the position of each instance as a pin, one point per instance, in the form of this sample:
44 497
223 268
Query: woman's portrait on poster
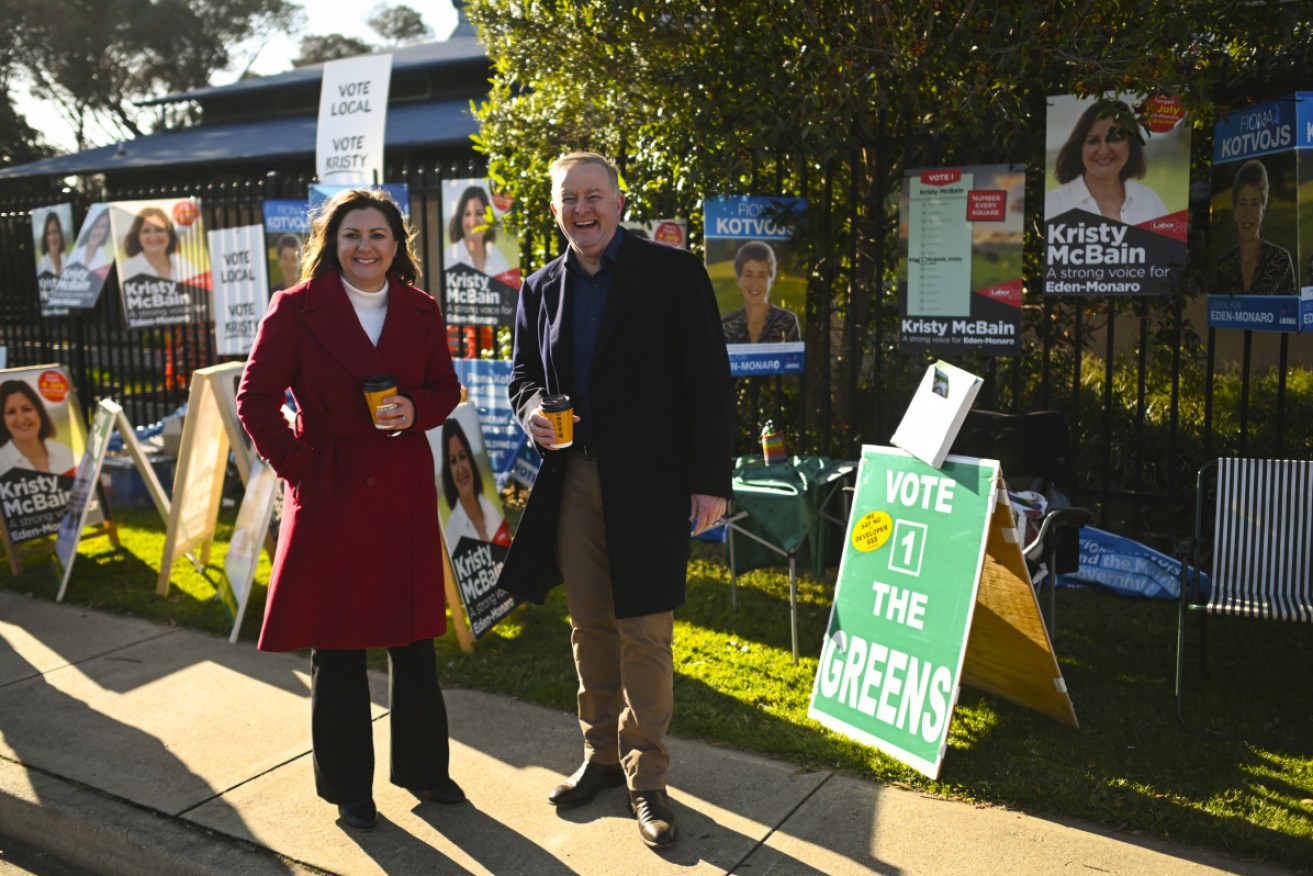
27 433
471 235
473 515
91 251
52 246
152 247
758 321
1254 266
1099 166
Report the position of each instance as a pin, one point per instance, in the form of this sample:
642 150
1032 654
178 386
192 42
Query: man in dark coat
629 329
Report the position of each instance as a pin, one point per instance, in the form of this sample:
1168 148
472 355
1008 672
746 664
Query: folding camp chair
1262 551
1035 454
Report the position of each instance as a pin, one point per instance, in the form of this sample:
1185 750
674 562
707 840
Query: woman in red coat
359 561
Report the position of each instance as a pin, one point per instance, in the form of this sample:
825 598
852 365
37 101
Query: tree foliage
398 25
322 48
97 59
832 99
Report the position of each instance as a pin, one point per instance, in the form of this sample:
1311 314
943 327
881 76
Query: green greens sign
892 659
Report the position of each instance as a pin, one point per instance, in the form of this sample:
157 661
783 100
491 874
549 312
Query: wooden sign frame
210 430
109 416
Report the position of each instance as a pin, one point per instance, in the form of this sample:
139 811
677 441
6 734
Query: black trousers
342 732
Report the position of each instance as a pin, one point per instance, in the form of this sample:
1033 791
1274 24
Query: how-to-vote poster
240 285
760 289
474 524
52 234
353 114
286 226
163 262
88 264
321 192
1117 193
481 259
892 659
959 271
40 443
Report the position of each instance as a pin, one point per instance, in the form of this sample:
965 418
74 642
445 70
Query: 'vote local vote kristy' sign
891 663
353 111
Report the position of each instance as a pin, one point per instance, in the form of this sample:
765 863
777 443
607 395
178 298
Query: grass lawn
1130 766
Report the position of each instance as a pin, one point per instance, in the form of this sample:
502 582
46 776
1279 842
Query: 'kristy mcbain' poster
88 264
1117 194
40 442
52 233
163 262
481 260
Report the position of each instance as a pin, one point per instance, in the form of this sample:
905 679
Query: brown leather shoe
656 818
583 786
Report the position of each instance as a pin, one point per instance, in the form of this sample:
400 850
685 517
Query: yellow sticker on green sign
872 531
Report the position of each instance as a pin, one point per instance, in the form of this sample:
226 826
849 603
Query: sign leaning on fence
924 547
253 519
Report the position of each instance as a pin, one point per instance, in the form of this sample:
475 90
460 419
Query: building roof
410 124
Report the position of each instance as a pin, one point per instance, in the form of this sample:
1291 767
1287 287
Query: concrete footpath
132 748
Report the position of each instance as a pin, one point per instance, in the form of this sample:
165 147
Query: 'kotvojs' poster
286 225
481 259
959 271
760 290
1261 207
88 264
52 235
162 259
1117 190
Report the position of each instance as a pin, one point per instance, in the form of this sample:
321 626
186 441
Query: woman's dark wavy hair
456 228
449 492
1070 165
321 249
8 388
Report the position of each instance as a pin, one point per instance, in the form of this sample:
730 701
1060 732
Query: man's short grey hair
569 160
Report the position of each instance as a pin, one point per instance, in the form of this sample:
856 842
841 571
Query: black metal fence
1149 394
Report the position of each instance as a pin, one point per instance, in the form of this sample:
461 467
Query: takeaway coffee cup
377 388
560 411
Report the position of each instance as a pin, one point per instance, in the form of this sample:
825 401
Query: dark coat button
369 482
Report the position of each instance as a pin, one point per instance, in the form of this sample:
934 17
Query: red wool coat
359 561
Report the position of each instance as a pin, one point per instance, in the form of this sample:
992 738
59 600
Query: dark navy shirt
587 301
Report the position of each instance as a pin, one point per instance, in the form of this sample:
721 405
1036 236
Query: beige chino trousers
625 666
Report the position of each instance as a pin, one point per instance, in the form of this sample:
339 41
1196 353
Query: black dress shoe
583 786
446 792
358 816
656 818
